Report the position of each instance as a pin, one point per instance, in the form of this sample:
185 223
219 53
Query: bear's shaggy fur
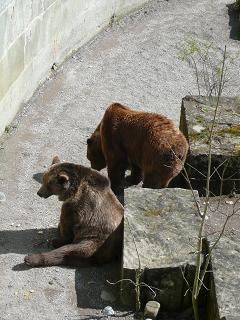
90 225
149 143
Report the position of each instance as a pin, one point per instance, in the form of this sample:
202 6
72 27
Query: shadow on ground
26 241
234 22
38 176
89 282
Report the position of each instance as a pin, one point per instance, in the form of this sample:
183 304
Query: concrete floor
134 62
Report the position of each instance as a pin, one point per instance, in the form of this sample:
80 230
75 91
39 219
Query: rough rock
198 113
160 231
225 283
151 309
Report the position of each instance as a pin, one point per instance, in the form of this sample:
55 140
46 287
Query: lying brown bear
149 143
91 217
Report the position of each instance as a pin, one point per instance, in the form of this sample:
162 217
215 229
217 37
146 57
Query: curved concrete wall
36 33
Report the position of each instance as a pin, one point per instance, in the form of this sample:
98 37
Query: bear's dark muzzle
43 193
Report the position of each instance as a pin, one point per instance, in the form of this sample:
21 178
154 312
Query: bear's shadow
89 282
38 176
25 241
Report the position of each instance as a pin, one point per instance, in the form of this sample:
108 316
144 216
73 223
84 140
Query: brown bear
149 143
90 225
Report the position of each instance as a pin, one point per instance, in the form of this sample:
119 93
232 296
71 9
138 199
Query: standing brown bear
149 143
91 217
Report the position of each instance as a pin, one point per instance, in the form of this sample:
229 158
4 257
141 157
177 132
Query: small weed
234 130
7 129
236 149
204 134
112 19
152 212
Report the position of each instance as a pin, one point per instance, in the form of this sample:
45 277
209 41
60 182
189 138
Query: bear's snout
43 193
97 166
39 194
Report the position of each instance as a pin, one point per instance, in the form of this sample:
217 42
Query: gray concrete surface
134 62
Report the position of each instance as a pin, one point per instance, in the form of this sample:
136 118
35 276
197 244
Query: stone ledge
162 225
195 122
226 279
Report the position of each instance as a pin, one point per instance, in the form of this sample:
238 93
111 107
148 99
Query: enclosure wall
34 34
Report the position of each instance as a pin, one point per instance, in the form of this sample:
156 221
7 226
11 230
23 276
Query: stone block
34 39
196 118
37 8
52 18
29 10
15 24
4 4
23 86
15 19
3 23
224 297
11 65
48 3
160 228
151 309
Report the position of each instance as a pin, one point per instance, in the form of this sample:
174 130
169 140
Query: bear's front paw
34 260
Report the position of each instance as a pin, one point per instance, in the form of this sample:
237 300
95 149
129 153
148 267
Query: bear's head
56 180
94 151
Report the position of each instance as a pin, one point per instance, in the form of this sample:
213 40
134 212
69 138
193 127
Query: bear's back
124 123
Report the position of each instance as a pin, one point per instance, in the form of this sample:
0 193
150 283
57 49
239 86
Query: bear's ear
89 141
63 179
55 160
